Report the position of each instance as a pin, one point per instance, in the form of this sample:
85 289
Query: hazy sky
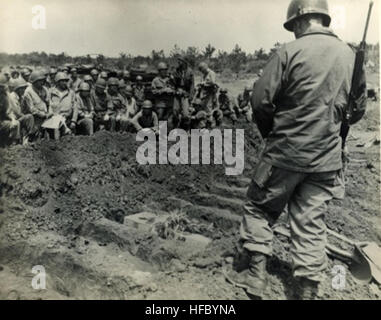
79 27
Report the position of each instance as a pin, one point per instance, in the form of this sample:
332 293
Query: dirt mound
64 205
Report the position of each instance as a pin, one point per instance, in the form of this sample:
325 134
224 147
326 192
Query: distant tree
261 54
157 56
237 58
208 51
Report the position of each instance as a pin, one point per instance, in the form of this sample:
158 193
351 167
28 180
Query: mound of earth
105 227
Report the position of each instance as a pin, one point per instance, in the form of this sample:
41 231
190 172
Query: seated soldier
199 117
37 100
244 104
99 100
9 126
116 105
130 110
85 110
226 105
63 103
146 118
26 120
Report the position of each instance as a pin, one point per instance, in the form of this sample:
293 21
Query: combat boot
253 279
306 289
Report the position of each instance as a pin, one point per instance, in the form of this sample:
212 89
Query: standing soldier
25 74
244 104
50 83
85 110
63 102
74 81
99 99
207 89
126 77
94 74
163 93
37 99
183 79
301 166
139 92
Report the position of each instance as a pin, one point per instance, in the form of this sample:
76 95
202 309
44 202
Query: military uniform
162 90
100 109
64 103
298 105
85 115
116 106
139 95
226 107
244 106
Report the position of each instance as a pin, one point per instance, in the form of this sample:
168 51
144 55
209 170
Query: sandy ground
66 206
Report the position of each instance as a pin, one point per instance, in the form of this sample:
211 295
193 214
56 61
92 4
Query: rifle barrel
367 21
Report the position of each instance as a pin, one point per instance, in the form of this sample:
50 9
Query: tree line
237 61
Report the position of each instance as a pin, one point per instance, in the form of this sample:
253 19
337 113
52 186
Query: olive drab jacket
298 103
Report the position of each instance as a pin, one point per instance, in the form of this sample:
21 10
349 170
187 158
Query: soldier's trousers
306 195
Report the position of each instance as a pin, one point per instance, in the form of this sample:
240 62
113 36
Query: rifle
350 116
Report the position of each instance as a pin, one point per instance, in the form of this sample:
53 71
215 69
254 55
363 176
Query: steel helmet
94 72
126 74
162 66
113 82
61 76
197 102
37 75
129 89
73 70
84 86
224 90
299 8
104 74
17 83
25 72
247 88
121 84
203 66
87 77
101 83
53 70
139 78
147 105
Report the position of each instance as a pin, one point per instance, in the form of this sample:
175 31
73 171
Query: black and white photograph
214 150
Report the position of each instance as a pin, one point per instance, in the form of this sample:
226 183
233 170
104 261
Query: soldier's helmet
299 8
84 86
197 102
104 75
87 77
162 66
37 75
101 83
61 76
224 90
94 72
113 81
247 89
128 89
17 83
121 84
139 78
53 71
147 104
203 66
25 72
126 74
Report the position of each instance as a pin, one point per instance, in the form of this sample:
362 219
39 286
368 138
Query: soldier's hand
72 125
106 117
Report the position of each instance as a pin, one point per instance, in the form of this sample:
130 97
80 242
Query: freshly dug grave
71 207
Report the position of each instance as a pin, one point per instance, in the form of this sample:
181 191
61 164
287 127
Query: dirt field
70 206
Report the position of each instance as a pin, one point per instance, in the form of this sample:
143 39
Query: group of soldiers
42 102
